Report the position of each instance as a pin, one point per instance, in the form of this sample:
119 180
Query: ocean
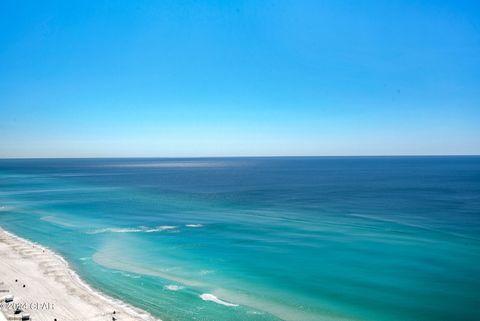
280 238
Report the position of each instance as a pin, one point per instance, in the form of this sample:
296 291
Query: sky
239 78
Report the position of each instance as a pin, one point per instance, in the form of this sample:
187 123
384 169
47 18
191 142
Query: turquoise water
368 238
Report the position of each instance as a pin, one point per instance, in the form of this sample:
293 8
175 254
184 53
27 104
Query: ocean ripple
139 229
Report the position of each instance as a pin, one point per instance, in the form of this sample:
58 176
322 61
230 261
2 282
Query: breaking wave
194 225
211 297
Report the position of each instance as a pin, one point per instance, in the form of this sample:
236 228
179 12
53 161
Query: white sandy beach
52 290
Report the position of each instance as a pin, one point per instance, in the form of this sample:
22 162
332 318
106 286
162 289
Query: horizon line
248 156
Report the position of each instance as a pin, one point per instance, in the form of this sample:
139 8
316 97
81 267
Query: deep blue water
334 238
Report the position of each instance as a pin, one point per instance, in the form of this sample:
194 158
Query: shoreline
45 286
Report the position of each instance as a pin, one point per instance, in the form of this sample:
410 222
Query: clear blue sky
205 78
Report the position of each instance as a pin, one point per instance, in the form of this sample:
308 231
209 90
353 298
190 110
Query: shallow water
368 238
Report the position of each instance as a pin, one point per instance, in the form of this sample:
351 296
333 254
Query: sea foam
173 287
194 225
211 297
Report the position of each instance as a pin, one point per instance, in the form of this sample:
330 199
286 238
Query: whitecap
211 297
160 228
194 225
116 230
173 287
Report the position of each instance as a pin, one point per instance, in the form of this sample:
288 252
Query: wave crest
194 225
211 297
